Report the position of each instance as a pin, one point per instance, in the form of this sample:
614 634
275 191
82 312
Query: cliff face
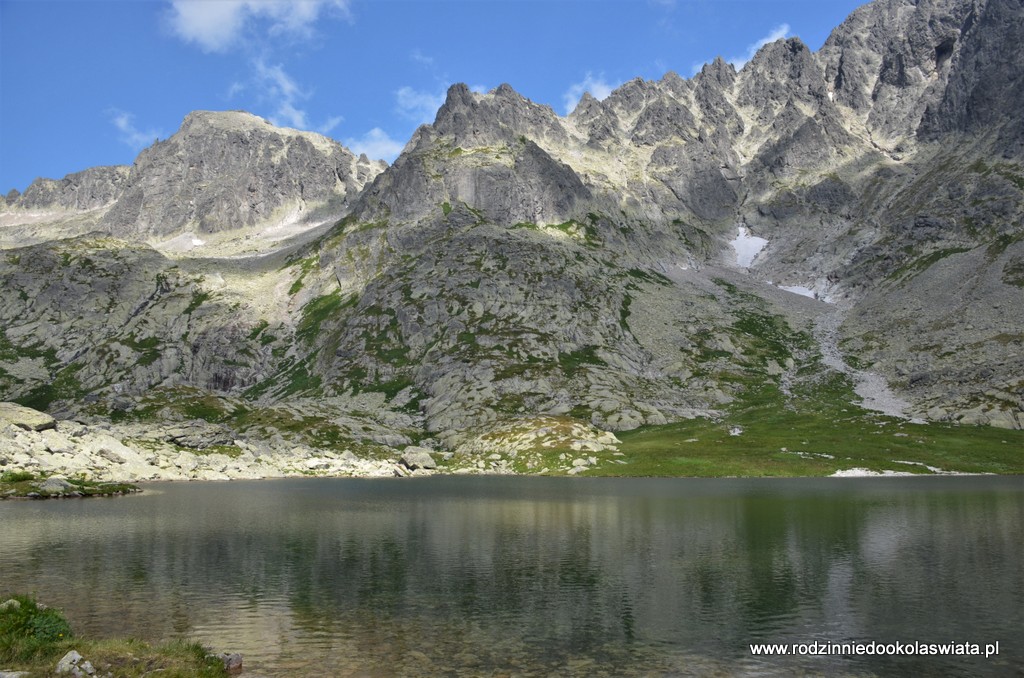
222 171
852 214
226 170
87 190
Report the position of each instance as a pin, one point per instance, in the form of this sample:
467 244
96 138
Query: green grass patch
65 386
649 276
227 450
34 637
16 476
571 363
18 485
815 433
315 313
258 329
912 268
1013 273
198 299
207 407
12 352
300 381
999 245
148 347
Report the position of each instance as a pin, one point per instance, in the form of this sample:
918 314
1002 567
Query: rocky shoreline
35 443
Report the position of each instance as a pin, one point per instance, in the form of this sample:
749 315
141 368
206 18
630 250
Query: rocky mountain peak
890 59
225 170
472 120
81 191
983 69
719 72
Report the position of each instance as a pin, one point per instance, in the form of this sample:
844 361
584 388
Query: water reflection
467 576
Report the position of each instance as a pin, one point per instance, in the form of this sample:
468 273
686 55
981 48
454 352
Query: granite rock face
13 414
519 279
225 170
221 171
87 190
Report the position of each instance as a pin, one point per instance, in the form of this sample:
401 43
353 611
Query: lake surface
468 576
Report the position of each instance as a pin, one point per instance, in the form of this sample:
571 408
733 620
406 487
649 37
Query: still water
486 576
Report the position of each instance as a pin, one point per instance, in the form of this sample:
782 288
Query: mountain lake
519 576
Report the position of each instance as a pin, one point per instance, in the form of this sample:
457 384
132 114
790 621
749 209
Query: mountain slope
222 172
521 281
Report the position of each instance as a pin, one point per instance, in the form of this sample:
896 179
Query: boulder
25 417
414 458
72 664
55 485
232 662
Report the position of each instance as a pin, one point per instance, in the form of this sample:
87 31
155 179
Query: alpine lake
521 576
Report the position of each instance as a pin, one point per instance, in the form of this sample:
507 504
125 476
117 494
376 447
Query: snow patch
866 473
747 246
799 289
821 290
196 242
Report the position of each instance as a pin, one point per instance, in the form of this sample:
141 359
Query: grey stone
25 417
232 662
415 458
55 485
69 663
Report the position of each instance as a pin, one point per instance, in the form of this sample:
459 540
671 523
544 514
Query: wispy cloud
132 136
421 58
219 25
738 62
598 87
284 93
286 96
417 105
376 144
330 124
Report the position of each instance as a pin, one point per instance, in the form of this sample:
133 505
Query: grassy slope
792 436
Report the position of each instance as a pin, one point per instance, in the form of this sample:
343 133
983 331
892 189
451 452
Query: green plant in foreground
34 637
29 630
16 476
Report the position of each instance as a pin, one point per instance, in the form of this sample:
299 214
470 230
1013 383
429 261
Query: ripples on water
538 577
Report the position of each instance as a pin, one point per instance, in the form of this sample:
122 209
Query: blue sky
87 82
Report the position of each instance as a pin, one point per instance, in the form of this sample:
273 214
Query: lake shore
78 458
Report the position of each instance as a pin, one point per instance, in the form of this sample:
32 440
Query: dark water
538 577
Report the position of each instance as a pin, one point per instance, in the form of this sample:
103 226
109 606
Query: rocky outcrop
222 171
227 170
13 414
87 190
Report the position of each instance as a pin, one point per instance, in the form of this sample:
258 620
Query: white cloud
738 62
417 105
376 144
331 123
285 94
217 25
131 135
421 58
598 88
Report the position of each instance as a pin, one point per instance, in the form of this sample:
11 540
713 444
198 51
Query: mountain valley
812 265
